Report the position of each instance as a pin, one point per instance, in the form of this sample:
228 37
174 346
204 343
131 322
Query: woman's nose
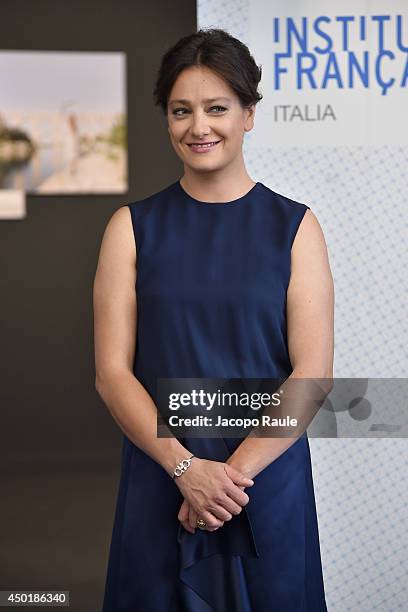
199 125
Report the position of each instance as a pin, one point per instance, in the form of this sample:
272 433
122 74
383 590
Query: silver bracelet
182 466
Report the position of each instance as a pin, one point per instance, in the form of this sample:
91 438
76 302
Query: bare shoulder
117 255
119 231
309 230
310 265
309 241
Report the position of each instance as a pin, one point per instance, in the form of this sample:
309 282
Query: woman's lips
203 148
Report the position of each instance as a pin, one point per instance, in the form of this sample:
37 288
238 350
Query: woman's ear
250 116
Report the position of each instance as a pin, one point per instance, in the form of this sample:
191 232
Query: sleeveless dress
211 302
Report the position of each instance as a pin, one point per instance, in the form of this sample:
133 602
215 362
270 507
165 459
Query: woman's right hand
214 489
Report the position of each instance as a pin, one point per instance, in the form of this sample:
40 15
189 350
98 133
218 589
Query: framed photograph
63 122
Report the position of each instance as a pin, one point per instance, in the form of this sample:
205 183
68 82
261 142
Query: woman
214 276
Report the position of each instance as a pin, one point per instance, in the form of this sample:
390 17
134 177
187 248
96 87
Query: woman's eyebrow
206 101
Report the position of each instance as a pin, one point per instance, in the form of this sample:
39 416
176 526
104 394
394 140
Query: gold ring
201 524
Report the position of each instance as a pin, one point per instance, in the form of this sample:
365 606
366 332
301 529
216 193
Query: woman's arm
207 484
115 322
310 332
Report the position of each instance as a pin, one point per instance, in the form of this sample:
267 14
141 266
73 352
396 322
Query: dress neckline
235 202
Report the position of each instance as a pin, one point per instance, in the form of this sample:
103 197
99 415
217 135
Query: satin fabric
211 302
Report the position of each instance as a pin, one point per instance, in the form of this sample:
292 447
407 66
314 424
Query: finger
221 510
183 512
226 509
183 516
187 526
192 518
212 528
212 522
237 495
237 477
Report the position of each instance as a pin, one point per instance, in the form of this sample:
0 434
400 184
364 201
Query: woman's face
202 107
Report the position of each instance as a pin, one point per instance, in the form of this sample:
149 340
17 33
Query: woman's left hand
188 516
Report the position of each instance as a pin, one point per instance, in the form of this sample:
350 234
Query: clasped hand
213 491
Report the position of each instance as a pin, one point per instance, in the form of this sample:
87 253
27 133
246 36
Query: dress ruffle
217 584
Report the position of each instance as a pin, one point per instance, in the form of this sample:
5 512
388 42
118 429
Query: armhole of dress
133 220
299 219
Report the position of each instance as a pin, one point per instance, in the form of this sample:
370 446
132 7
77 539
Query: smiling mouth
195 146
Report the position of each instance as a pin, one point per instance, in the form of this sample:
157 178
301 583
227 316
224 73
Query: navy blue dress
211 302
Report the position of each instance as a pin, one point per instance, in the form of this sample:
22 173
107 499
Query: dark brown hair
217 50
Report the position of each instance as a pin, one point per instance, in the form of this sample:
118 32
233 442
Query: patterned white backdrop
359 194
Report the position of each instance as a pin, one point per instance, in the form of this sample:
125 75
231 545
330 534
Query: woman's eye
179 111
